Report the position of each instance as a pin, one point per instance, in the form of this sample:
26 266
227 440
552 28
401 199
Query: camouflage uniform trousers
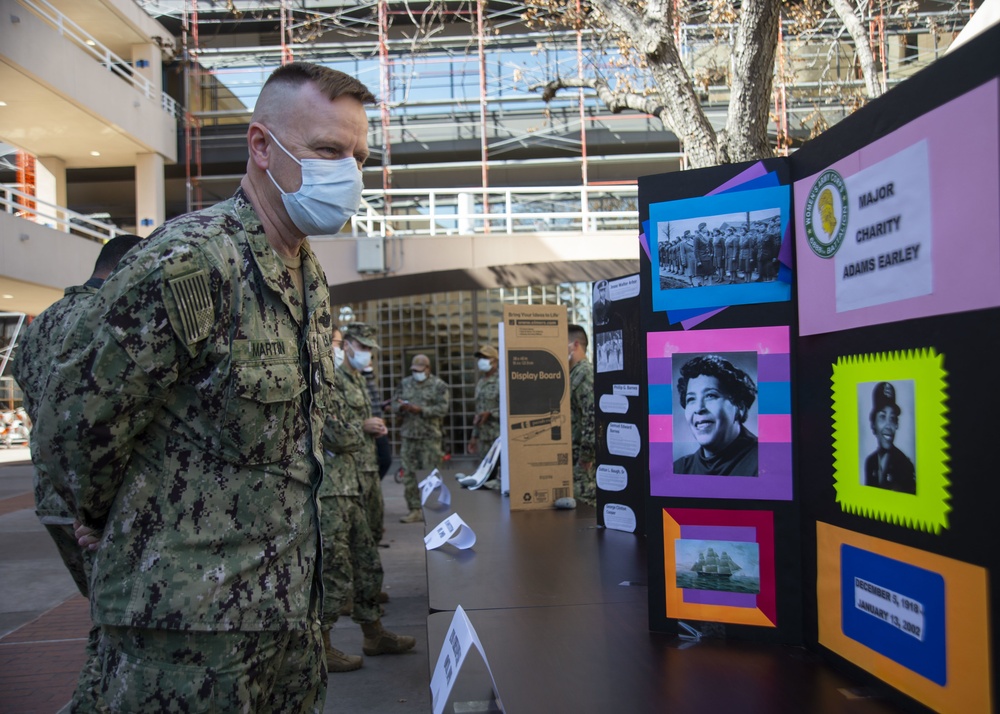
585 484
167 671
77 562
351 562
373 503
418 455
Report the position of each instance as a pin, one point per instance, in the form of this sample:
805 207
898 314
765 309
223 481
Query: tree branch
862 47
617 102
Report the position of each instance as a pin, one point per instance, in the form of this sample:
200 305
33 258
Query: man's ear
260 147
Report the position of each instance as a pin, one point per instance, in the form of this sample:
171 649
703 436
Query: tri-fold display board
820 335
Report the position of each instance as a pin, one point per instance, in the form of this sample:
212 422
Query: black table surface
538 558
601 658
560 606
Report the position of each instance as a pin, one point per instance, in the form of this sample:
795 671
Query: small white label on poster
613 404
619 517
628 390
623 439
611 477
623 288
886 253
892 608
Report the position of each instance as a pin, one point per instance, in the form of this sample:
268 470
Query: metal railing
104 56
463 211
58 218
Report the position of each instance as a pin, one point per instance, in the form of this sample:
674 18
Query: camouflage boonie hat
364 334
488 351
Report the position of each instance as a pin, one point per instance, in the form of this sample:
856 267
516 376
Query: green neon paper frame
928 509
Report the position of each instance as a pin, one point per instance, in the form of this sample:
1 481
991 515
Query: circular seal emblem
826 214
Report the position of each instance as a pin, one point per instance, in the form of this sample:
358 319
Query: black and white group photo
724 249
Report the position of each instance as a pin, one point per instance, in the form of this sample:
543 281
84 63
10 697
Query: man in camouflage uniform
39 346
581 386
189 428
352 563
422 399
486 423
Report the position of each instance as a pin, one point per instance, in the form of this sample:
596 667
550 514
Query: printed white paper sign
451 530
461 636
430 484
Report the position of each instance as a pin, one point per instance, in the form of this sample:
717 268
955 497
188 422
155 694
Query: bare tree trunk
751 79
845 11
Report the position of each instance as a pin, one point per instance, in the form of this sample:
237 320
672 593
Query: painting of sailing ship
729 566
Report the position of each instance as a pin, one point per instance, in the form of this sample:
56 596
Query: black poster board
619 373
895 389
751 517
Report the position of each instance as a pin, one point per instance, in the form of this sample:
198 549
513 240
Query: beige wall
45 260
79 78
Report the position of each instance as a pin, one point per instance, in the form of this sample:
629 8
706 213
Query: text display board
537 392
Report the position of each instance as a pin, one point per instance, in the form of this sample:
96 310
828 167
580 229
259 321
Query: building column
50 184
146 62
150 199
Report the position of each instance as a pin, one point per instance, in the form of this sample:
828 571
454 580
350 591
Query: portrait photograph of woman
715 414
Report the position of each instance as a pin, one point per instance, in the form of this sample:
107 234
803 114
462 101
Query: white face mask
330 193
419 376
485 364
338 356
359 360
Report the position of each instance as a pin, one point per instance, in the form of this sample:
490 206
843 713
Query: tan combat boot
414 516
379 640
337 661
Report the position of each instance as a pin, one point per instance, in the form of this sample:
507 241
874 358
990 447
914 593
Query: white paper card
430 484
451 530
486 466
461 636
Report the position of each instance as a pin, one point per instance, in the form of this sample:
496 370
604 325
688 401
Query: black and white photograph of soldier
886 434
715 414
602 303
724 249
608 351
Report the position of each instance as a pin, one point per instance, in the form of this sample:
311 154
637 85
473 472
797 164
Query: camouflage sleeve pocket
264 416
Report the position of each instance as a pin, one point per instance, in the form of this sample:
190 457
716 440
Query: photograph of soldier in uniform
715 417
608 351
887 427
602 303
723 249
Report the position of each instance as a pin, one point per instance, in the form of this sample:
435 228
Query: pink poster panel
705 384
907 227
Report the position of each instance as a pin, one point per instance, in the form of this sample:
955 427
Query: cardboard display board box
538 433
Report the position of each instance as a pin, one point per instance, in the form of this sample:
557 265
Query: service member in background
37 350
422 400
352 568
360 340
189 427
486 423
581 386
